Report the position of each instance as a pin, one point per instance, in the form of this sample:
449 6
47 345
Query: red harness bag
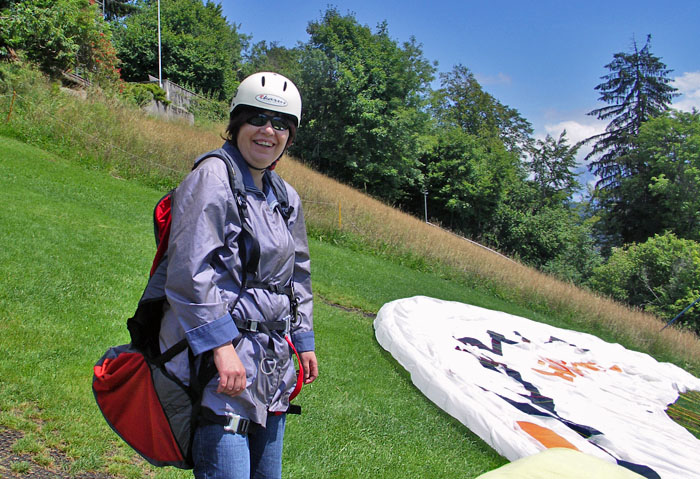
130 391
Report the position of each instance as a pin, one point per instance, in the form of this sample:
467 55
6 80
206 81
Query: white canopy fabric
524 386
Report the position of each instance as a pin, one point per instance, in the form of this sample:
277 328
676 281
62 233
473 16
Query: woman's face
261 145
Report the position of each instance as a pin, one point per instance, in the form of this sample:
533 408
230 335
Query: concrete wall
180 98
171 112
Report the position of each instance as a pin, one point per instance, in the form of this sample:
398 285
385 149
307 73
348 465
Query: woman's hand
232 379
310 366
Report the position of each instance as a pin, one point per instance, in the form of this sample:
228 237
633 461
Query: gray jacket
204 276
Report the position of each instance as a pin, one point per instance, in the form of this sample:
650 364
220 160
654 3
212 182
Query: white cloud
575 130
500 79
688 86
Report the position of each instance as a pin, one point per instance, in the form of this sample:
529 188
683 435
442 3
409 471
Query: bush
61 35
208 109
142 94
661 276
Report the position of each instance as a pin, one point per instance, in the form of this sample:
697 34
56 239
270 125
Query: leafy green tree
199 47
467 178
671 145
480 186
552 163
363 96
664 195
272 57
549 235
462 102
661 276
61 35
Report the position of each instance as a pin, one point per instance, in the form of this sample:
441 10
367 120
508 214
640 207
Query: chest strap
287 290
282 326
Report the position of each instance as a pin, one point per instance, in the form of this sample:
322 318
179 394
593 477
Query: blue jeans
219 454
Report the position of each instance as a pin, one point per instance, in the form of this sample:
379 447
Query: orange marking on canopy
545 436
569 371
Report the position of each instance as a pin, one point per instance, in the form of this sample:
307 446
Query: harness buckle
253 326
236 424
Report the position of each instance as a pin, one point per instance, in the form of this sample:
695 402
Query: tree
661 276
116 9
636 89
538 222
665 193
467 177
199 47
272 57
462 102
61 35
363 96
479 185
552 163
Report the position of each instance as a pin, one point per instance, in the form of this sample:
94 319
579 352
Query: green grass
686 412
75 253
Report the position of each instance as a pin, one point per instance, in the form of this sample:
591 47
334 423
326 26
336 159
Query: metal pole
160 77
680 314
425 204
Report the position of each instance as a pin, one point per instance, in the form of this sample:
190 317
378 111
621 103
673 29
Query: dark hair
241 114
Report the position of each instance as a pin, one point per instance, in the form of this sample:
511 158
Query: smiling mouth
263 143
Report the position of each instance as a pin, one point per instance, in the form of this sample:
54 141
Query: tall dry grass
129 143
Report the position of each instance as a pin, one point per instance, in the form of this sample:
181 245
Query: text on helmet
271 99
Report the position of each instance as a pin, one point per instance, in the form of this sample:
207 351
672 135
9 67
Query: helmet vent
284 88
263 81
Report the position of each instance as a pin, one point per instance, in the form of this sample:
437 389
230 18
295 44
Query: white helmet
269 91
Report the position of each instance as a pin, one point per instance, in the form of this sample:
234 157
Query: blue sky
541 57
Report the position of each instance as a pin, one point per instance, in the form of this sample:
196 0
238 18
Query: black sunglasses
261 119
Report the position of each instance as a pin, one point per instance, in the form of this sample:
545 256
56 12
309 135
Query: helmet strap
270 167
255 167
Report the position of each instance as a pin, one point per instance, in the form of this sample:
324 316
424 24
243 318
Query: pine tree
636 89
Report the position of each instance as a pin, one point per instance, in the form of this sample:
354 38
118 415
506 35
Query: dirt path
25 467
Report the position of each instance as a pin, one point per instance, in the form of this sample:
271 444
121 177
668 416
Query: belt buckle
235 422
287 324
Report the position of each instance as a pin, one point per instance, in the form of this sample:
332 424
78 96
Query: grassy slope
75 250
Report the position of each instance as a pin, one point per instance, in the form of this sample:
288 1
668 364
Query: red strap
300 376
163 218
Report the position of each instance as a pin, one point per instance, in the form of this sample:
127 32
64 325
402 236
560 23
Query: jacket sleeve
303 333
201 209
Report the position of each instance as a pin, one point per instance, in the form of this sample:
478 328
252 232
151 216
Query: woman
208 305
